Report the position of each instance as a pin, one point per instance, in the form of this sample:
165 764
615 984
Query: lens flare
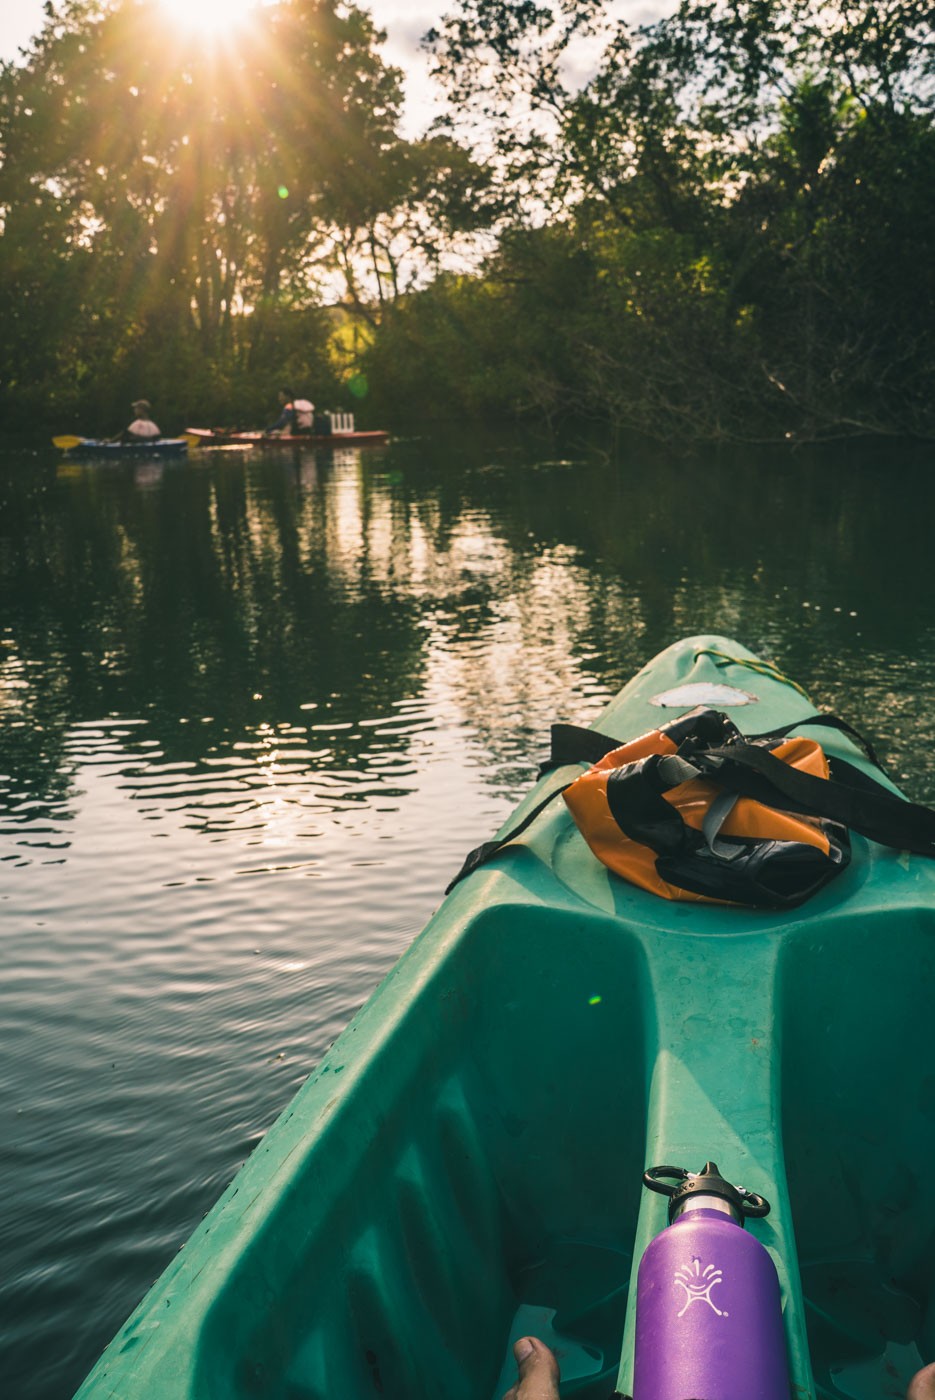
208 18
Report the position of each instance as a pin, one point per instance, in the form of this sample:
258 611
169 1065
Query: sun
210 18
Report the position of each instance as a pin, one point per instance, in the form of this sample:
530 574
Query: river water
254 709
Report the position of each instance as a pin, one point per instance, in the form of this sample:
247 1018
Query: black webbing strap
853 776
572 743
827 722
482 853
868 808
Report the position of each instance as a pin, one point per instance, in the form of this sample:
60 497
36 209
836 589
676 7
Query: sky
405 21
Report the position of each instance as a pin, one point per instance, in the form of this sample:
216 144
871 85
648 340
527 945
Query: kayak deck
372 437
157 447
465 1164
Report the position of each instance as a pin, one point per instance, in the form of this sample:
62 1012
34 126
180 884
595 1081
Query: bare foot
538 1373
922 1385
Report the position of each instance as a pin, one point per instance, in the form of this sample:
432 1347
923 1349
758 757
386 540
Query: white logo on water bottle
698 1285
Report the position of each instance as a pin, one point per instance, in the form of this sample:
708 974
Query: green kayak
465 1164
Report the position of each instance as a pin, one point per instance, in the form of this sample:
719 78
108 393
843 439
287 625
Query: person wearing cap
296 416
142 429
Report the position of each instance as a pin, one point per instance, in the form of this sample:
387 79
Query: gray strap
674 770
715 817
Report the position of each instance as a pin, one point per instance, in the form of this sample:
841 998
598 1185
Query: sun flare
210 18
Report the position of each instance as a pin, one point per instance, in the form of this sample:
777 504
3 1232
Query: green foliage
444 353
743 199
163 206
718 225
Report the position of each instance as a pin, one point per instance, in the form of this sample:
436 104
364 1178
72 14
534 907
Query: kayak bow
96 447
465 1164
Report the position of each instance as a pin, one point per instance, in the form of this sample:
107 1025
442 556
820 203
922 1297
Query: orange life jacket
703 844
697 811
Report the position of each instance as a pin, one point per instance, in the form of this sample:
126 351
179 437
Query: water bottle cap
693 1187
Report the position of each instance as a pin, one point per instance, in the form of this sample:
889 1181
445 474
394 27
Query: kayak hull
464 1166
371 438
160 447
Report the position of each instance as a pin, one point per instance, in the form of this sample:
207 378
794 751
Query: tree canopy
175 215
743 197
720 224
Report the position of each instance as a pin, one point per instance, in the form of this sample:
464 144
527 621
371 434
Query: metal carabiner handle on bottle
652 1174
746 1203
752 1204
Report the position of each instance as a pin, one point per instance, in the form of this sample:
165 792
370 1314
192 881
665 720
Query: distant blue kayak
94 447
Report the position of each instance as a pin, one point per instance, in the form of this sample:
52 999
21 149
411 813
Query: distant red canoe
207 438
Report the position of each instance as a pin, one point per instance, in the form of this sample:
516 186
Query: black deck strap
874 812
481 854
573 743
852 776
827 722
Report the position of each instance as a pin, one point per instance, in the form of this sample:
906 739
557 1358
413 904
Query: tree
153 195
752 186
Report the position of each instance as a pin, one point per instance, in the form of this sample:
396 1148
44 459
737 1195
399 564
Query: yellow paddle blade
66 442
193 440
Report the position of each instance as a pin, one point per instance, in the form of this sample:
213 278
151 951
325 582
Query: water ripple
247 737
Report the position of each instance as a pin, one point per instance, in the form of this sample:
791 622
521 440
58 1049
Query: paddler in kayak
142 428
296 416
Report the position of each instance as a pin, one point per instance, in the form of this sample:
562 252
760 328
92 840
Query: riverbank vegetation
719 225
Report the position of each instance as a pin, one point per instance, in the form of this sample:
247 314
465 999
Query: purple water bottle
708 1310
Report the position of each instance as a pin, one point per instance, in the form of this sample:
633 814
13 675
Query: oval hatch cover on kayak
703 693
